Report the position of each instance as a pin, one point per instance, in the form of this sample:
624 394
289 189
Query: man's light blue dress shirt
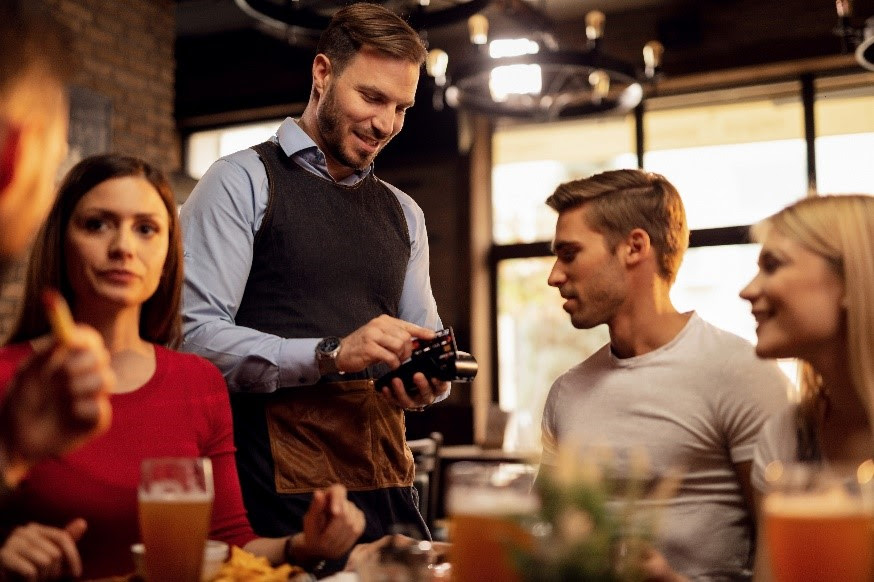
219 221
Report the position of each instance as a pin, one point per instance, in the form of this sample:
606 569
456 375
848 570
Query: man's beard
330 124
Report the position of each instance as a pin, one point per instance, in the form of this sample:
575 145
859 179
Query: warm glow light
515 80
600 82
652 56
595 20
844 8
478 28
436 63
512 47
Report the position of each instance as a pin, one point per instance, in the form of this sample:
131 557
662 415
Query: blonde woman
812 300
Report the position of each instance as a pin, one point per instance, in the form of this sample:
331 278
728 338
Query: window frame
804 87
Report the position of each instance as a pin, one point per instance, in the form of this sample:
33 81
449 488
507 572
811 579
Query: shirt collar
294 141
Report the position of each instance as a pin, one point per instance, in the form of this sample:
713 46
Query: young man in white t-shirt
690 395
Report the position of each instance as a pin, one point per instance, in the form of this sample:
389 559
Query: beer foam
491 502
171 492
831 503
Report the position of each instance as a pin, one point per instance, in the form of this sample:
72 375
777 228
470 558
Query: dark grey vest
327 258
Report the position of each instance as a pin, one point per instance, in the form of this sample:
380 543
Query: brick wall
127 58
127 53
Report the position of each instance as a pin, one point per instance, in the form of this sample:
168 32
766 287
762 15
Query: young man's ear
10 146
637 246
322 71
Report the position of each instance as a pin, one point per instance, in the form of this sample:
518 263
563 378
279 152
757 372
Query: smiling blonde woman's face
797 299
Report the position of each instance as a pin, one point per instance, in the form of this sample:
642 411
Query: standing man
690 395
56 399
307 276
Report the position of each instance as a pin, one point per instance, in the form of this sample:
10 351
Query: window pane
205 147
709 282
733 163
845 140
536 341
531 160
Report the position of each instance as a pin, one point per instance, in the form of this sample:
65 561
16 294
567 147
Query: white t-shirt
696 403
778 441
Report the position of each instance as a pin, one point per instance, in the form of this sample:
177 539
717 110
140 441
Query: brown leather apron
342 432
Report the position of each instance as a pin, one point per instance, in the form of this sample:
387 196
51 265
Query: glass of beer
490 506
175 502
819 523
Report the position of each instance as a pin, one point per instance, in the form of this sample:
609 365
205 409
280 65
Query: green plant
592 526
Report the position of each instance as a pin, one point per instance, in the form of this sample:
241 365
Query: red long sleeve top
182 411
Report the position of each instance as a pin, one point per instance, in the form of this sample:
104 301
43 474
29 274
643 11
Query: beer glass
490 506
819 524
175 504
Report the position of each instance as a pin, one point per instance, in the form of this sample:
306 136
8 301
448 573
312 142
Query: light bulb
509 80
652 57
436 63
478 27
595 25
600 82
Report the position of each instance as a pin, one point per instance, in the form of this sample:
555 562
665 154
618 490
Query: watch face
329 344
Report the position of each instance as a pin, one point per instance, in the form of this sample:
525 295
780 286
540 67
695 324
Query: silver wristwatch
327 351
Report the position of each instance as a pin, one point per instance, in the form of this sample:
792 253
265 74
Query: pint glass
488 506
175 504
819 523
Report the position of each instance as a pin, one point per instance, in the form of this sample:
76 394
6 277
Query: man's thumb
76 528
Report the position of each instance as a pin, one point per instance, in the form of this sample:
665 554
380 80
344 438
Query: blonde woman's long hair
840 229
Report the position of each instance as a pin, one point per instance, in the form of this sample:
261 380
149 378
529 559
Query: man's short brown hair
365 25
619 201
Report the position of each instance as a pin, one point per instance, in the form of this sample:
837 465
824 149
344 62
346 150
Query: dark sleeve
229 520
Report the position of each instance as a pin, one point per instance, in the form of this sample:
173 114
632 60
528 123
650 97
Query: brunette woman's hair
160 319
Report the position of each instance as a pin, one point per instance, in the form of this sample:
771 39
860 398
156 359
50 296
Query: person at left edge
307 276
111 246
57 400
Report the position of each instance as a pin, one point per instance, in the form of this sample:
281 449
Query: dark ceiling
229 67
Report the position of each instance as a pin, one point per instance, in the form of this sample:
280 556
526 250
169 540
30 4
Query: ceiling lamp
533 78
858 39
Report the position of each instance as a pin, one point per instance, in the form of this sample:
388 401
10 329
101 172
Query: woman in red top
112 247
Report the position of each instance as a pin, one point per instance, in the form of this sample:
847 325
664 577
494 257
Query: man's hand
428 392
383 339
58 400
331 527
41 552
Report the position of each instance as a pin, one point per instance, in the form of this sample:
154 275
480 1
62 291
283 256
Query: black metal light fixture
859 39
535 79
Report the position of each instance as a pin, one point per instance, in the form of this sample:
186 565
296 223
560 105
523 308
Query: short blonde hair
841 230
619 201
